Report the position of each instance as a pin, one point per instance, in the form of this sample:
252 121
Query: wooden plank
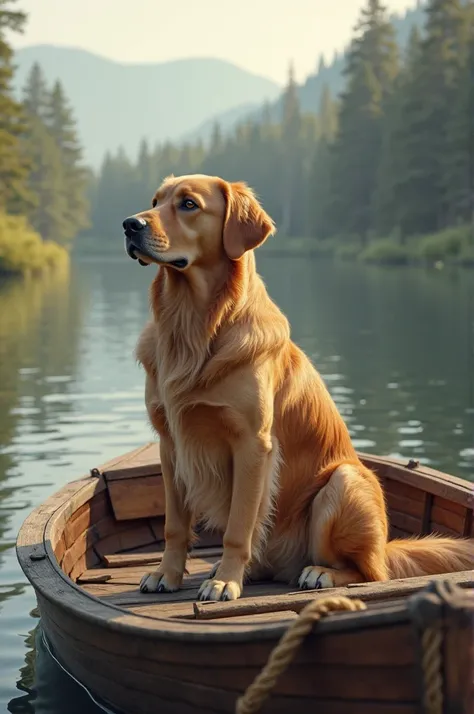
88 538
422 478
382 635
442 529
157 525
404 521
129 595
125 540
399 489
468 529
298 600
99 533
458 658
90 577
403 504
86 515
124 596
139 497
88 560
130 576
170 610
113 464
362 683
134 573
145 461
449 505
82 491
125 560
60 548
283 617
445 517
427 510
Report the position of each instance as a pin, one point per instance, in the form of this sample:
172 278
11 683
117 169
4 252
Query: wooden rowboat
85 550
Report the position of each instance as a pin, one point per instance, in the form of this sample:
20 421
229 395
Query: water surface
395 347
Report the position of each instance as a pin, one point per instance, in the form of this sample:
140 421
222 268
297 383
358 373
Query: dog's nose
134 224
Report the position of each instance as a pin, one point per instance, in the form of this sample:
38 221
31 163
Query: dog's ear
246 224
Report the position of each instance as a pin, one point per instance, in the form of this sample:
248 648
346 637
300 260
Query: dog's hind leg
348 531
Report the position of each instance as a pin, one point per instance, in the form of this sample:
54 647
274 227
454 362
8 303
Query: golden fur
251 440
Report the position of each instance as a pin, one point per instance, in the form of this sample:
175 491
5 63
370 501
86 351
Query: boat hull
141 656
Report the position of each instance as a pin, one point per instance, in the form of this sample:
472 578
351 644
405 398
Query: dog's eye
187 204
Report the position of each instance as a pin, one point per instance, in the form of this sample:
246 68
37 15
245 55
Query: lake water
395 347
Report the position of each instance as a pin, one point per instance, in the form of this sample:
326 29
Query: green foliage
450 243
23 251
42 182
46 180
385 251
371 69
347 251
35 93
13 164
390 157
60 124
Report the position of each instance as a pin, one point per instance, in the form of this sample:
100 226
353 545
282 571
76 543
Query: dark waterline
395 347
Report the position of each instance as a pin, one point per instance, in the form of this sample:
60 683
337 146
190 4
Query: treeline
43 183
390 158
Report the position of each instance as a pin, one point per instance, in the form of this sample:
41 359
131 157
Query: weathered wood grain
169 653
133 498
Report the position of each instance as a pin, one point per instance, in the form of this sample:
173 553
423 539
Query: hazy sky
260 35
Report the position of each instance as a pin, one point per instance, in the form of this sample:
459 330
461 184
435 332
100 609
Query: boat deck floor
118 584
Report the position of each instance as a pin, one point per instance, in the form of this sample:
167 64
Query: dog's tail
430 555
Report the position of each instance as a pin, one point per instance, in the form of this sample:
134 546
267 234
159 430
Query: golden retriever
251 440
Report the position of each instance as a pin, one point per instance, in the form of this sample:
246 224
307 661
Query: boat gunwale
44 573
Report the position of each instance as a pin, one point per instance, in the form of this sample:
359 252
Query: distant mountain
119 104
310 92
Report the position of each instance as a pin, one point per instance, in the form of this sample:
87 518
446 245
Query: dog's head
196 220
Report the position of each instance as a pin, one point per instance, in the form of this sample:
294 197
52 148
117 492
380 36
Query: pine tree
290 139
320 189
146 175
61 125
327 115
35 93
429 95
114 200
458 167
216 138
371 68
13 164
321 64
392 200
49 217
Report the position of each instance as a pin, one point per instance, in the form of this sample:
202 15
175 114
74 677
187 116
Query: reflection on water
394 346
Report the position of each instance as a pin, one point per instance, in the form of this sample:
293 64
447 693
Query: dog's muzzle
134 230
135 242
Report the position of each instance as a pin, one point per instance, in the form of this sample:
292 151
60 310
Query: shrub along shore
22 250
452 246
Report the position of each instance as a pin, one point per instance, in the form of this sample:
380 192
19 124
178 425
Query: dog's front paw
213 589
159 582
315 578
